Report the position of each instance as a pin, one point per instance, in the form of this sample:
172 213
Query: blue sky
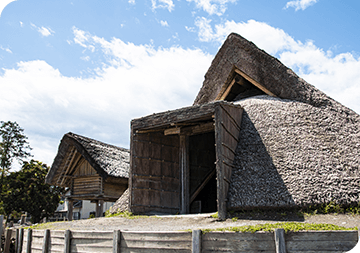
89 66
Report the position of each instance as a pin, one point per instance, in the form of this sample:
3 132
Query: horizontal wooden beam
171 131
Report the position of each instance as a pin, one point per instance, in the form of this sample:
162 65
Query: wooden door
227 128
154 177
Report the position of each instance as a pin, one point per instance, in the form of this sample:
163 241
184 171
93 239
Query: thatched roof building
91 169
296 146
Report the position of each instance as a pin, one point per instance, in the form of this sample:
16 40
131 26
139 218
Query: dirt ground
200 221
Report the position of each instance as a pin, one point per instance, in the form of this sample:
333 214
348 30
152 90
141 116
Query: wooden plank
146 244
232 236
160 236
319 245
91 235
86 248
117 241
174 130
280 240
238 245
141 250
196 241
322 236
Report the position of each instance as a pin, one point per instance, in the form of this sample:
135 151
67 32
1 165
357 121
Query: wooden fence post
117 241
29 241
17 240
280 240
46 241
1 227
1 223
20 240
196 241
67 243
7 240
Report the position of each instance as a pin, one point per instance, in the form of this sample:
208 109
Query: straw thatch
300 148
291 153
107 160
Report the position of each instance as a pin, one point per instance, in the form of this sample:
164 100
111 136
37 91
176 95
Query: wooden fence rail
45 241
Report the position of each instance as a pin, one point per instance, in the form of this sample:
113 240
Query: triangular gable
105 159
240 57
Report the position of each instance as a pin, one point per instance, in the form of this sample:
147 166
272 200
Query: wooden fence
125 241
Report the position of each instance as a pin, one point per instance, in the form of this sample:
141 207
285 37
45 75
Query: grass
287 226
126 214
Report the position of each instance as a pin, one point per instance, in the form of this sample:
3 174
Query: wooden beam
238 71
184 174
279 235
70 209
171 131
203 184
227 91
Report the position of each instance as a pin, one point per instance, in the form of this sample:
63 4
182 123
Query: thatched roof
297 146
107 160
291 153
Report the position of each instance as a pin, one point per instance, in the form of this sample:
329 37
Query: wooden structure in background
182 156
92 170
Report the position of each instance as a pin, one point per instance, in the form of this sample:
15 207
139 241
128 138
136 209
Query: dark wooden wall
155 182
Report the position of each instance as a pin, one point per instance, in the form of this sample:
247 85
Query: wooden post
20 240
17 240
99 208
196 241
280 240
1 223
70 209
7 240
67 243
46 241
117 241
29 240
184 174
1 227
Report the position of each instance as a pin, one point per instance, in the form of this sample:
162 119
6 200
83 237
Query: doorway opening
203 185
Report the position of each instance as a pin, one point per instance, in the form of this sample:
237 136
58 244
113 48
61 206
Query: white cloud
336 75
131 1
300 4
162 4
138 80
3 4
6 49
45 32
212 7
164 23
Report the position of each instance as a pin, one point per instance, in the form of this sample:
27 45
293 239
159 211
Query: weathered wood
67 241
17 240
117 241
292 246
20 240
46 241
251 80
174 130
238 246
231 236
185 174
196 241
206 180
99 208
70 209
1 226
156 235
279 235
8 234
141 250
29 240
322 236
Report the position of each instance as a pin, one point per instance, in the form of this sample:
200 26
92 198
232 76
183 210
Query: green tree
26 191
13 144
